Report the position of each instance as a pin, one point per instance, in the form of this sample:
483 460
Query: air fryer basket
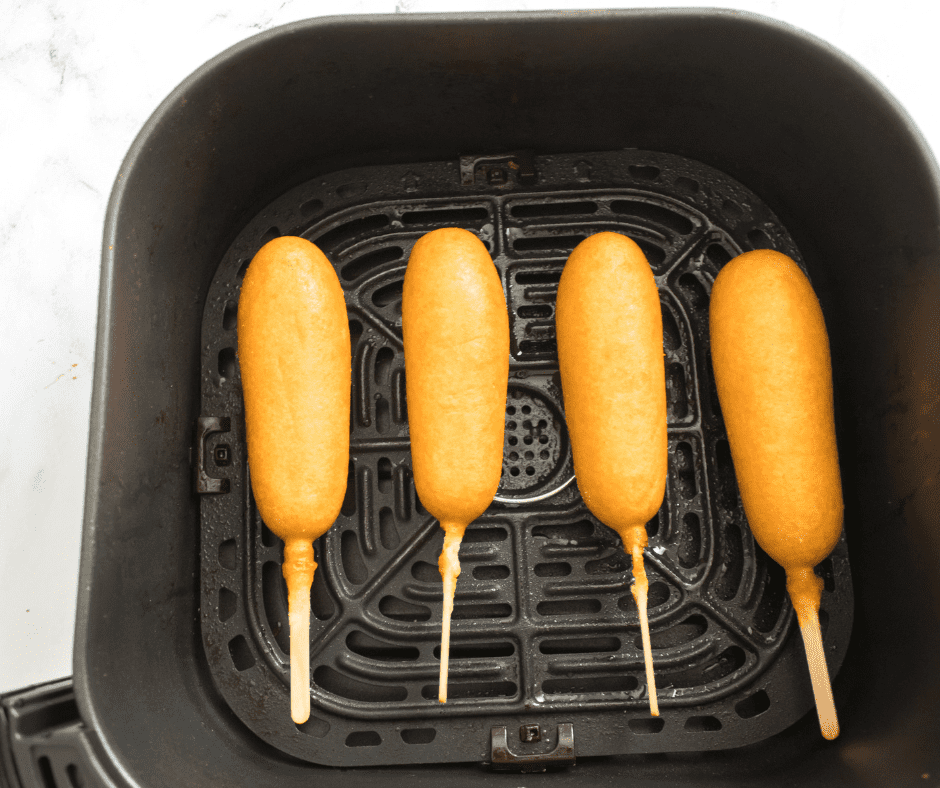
800 126
545 627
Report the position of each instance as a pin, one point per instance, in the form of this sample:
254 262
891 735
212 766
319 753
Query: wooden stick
640 590
819 675
449 564
298 571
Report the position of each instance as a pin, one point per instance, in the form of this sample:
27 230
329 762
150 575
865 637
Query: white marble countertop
77 82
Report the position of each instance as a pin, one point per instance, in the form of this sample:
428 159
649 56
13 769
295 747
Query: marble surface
77 82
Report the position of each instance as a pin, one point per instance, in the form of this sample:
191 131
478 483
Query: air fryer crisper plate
545 629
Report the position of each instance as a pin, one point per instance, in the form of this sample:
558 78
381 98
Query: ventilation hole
610 565
569 607
685 471
536 210
703 724
491 572
672 339
315 727
228 603
538 277
646 172
388 533
646 725
345 687
269 235
694 291
824 570
228 554
450 216
726 663
690 541
677 395
274 597
311 208
494 610
772 599
420 506
399 610
753 705
321 603
242 270
655 214
353 564
365 646
227 363
476 534
382 415
510 410
368 263
547 243
559 569
758 239
481 689
418 735
657 595
534 311
717 254
727 483
584 685
579 646
383 364
687 185
654 254
511 425
543 439
566 531
363 739
478 650
530 471
45 771
241 654
732 209
230 315
388 294
268 537
385 475
543 455
652 527
348 509
538 347
684 632
75 778
425 572
339 236
729 577
355 334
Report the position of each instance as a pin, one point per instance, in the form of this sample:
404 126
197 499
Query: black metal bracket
504 760
206 426
499 170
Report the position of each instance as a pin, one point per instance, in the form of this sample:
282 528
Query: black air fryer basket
700 134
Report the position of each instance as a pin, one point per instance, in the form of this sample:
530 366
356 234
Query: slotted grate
545 628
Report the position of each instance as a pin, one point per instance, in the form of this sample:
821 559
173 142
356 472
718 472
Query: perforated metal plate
545 629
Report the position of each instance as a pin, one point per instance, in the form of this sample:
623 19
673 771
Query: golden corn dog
772 367
294 354
456 340
610 351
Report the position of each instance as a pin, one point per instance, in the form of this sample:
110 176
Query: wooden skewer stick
449 564
819 675
298 571
640 590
